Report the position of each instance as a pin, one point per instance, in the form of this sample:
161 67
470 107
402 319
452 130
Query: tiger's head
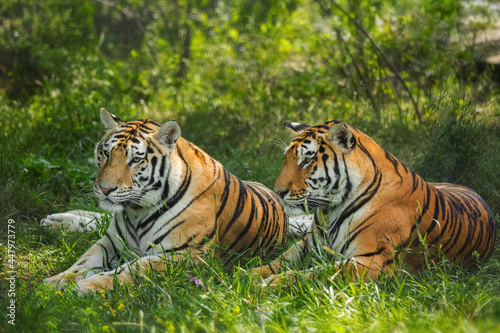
133 162
315 172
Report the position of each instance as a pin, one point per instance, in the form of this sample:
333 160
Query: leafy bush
461 146
39 42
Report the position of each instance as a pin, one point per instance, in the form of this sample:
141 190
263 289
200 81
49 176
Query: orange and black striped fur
167 196
369 207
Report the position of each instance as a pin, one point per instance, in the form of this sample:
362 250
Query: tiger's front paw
58 281
268 278
76 220
279 279
261 272
62 280
265 277
54 221
95 283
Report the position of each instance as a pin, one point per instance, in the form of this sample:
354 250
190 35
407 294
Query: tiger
167 199
372 214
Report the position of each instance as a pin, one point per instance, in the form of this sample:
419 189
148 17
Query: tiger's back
456 221
239 216
406 211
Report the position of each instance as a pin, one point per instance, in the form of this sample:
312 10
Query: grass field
218 296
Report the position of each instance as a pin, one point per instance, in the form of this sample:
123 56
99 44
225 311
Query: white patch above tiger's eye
307 150
136 150
295 128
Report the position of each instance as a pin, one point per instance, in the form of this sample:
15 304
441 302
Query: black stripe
162 166
187 206
272 231
154 161
240 205
105 258
395 163
371 254
248 224
358 203
225 194
348 185
117 253
159 239
265 223
185 183
131 231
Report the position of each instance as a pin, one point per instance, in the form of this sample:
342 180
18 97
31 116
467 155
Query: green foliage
461 147
38 38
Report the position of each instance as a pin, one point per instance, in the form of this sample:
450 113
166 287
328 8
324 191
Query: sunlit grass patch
442 298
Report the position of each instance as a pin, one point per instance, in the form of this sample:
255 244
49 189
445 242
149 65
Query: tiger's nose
107 190
282 193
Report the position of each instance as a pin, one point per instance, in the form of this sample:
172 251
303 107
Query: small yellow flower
45 298
121 306
237 309
106 328
57 292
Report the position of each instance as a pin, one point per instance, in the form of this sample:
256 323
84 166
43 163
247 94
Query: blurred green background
230 72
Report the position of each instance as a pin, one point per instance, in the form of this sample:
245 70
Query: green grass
442 298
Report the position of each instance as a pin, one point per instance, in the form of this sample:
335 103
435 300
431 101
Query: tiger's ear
340 135
109 120
168 134
295 128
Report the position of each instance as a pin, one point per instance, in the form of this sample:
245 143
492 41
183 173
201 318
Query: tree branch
394 70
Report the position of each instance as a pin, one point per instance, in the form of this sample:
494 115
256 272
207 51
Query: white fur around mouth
111 206
305 205
294 207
